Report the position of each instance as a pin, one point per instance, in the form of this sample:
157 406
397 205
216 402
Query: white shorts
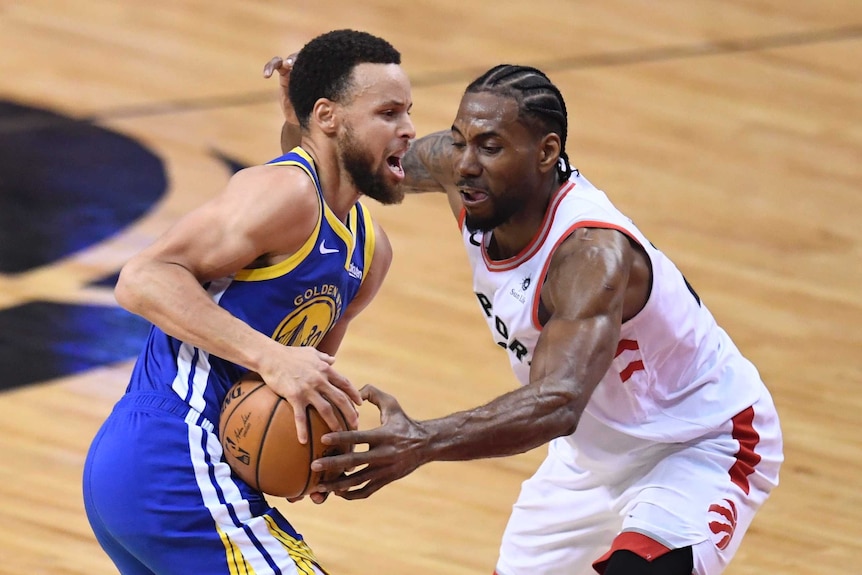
600 490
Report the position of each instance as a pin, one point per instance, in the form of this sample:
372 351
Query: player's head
510 135
351 86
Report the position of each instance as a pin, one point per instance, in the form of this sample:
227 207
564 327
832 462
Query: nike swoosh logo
325 250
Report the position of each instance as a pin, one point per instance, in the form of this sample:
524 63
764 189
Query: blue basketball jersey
296 302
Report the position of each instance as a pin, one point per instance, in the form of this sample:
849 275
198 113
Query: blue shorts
161 500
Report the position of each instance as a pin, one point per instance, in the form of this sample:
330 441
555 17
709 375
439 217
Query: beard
502 209
359 164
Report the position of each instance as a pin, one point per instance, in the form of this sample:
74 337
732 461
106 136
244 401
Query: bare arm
291 133
428 167
584 293
264 211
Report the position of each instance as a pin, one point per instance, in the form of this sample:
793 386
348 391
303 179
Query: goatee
359 165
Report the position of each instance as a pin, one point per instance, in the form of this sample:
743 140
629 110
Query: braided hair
538 100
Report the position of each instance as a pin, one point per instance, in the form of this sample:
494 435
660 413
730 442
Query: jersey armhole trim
288 264
370 242
563 237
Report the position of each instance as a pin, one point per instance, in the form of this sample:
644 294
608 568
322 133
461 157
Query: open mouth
472 196
394 163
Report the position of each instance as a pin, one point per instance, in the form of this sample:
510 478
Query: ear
324 114
549 152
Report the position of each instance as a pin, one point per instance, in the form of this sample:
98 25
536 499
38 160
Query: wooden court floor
731 133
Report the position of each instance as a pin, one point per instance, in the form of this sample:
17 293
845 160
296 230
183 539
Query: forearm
570 359
428 164
511 424
291 136
170 297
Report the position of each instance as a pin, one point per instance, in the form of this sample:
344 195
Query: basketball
258 437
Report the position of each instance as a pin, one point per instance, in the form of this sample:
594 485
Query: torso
294 299
672 360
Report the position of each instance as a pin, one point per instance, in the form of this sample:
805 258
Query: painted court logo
724 525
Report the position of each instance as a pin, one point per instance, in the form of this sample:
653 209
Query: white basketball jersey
676 374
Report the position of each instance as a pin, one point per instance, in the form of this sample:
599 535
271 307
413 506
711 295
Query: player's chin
389 194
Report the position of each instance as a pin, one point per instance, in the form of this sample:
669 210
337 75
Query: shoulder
276 207
275 188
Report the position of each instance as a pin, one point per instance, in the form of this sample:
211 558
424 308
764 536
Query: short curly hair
324 65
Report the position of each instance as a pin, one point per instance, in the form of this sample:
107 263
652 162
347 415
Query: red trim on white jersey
626 345
537 241
564 237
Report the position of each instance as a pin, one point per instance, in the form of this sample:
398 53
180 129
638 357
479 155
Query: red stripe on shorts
746 458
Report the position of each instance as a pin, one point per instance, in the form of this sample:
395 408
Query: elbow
567 407
569 418
125 291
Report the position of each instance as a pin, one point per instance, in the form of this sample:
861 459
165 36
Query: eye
491 150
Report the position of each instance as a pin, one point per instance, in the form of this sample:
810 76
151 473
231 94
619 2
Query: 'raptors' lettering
514 346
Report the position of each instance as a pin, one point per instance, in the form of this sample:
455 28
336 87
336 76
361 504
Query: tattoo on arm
428 164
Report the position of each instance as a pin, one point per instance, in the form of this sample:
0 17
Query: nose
408 130
466 162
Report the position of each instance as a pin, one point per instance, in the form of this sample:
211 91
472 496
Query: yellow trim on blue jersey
288 264
370 240
342 231
236 562
298 549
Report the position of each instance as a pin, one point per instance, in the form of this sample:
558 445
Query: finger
325 357
301 423
338 464
319 497
385 403
295 499
348 438
373 394
327 406
344 385
274 64
347 482
360 493
289 62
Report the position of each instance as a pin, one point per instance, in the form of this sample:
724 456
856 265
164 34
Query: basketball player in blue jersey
663 441
265 277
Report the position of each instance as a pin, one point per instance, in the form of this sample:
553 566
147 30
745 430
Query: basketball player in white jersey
265 277
663 440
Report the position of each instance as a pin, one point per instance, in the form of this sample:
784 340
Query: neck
339 193
512 237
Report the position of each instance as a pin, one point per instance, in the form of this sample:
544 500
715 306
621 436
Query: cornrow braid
537 98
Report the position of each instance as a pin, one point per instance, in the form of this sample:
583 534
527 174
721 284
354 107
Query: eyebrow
398 103
481 136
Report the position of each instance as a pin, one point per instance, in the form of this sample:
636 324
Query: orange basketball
258 437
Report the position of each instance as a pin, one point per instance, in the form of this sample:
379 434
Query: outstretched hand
395 449
283 66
